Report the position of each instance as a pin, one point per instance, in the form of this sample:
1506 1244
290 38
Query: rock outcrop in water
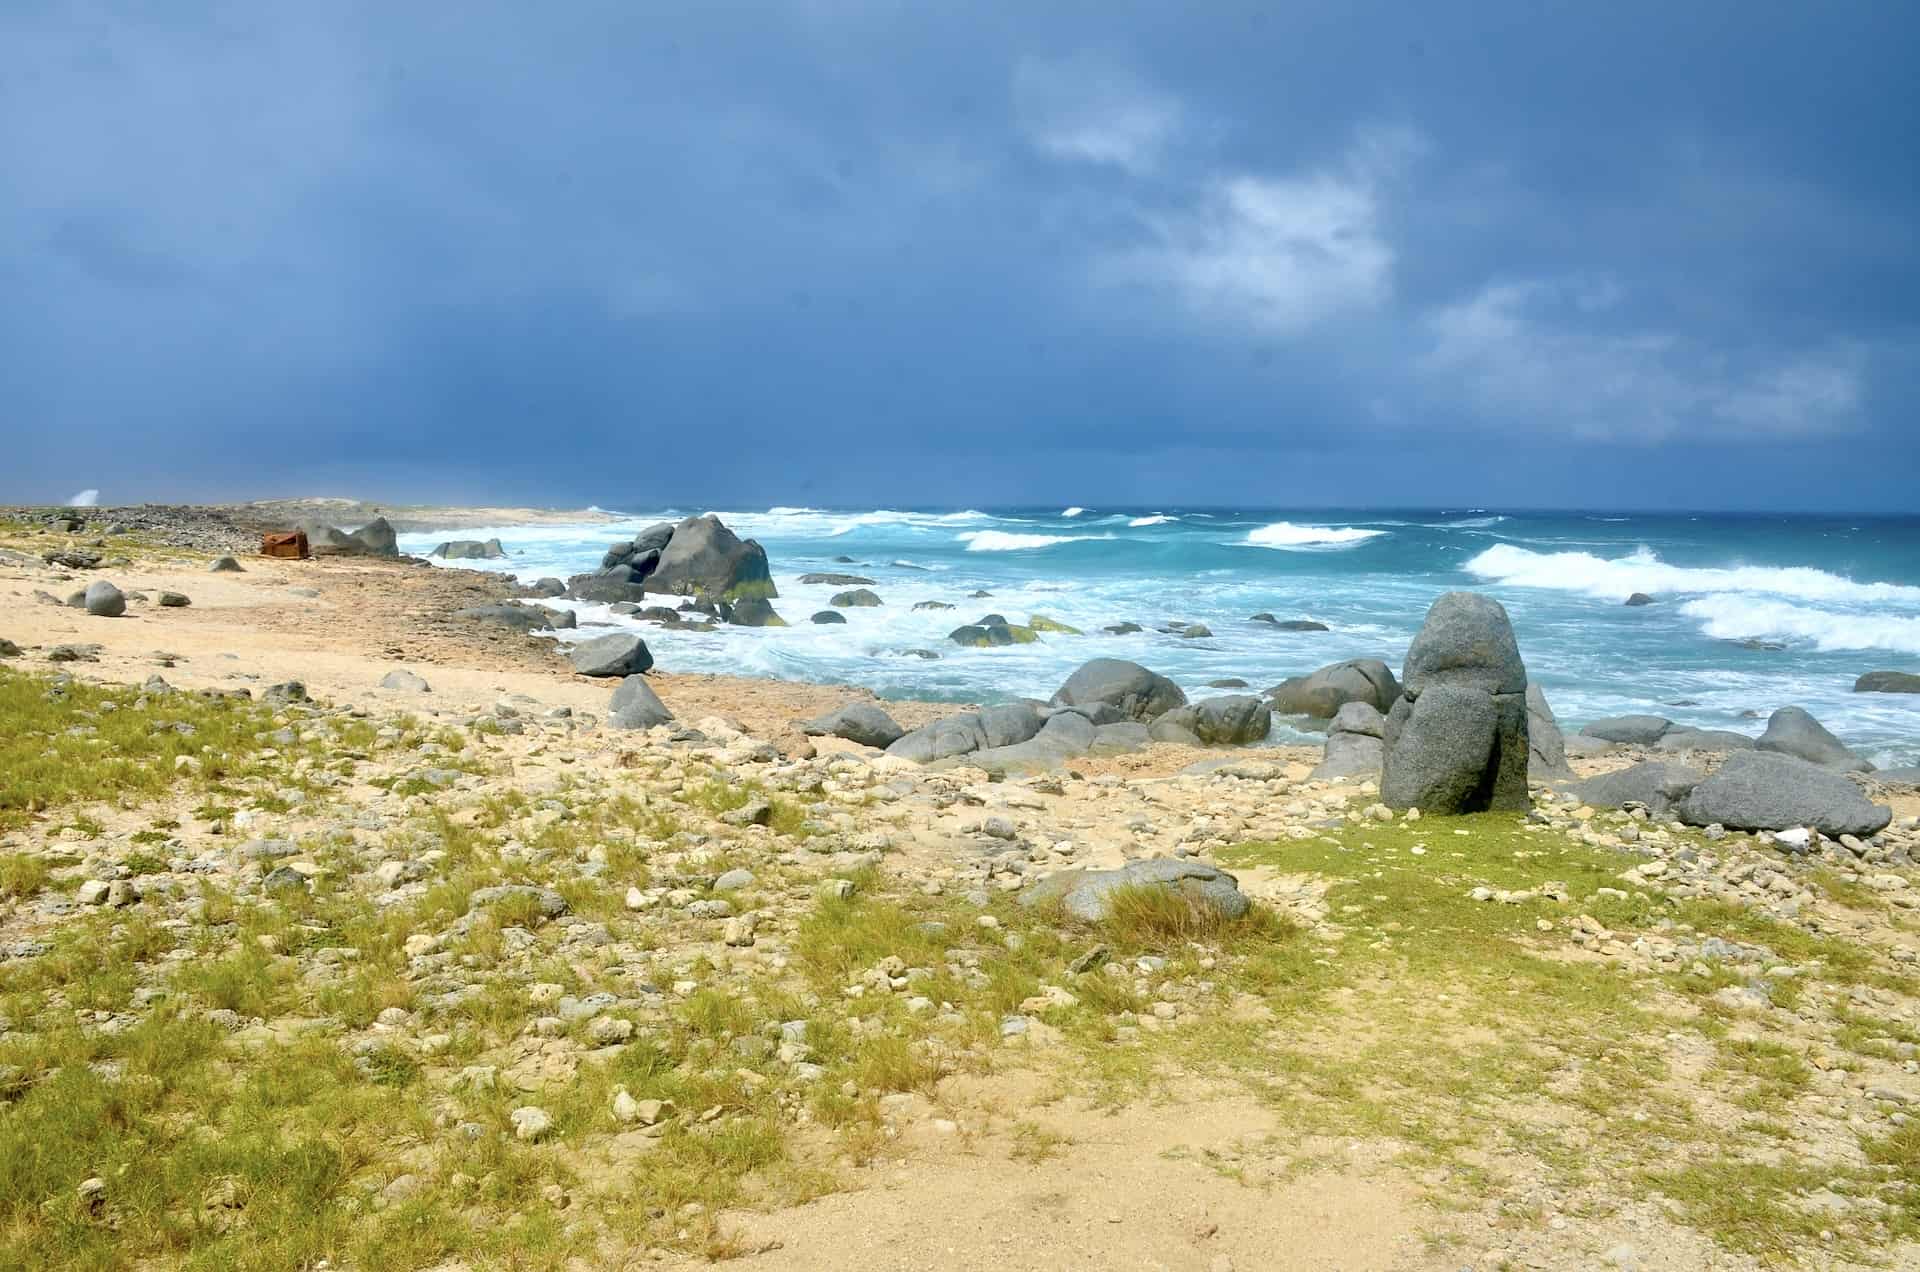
1456 741
1888 682
698 557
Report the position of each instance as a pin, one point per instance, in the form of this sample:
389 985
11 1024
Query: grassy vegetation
68 743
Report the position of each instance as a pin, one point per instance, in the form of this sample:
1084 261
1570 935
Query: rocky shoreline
597 925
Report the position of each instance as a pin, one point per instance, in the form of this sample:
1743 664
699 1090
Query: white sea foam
1285 534
1466 523
85 499
1073 512
1001 541
1643 571
1728 616
1157 519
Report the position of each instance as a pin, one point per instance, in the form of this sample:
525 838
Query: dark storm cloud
873 252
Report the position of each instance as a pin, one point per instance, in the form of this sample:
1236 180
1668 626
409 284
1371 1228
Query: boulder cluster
699 557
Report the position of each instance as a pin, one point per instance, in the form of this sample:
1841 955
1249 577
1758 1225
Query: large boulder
1765 790
1122 738
1229 720
469 550
619 654
1138 694
1791 731
1456 741
1064 735
1467 641
860 722
703 556
1354 743
103 600
636 706
1632 730
941 740
1322 693
1658 785
1887 682
1088 895
610 588
377 538
1009 723
1546 747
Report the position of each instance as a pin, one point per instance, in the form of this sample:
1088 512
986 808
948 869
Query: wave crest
1001 541
1643 571
1285 534
1733 617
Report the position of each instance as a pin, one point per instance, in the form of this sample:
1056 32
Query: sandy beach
722 990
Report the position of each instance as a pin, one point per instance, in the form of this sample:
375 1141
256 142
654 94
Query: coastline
595 962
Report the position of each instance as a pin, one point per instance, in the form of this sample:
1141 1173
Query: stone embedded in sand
1762 790
618 654
1456 742
103 600
636 706
174 600
404 681
1088 895
225 565
861 722
1228 720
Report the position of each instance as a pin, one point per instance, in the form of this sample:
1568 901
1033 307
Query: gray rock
1898 777
943 739
1290 624
636 706
1123 629
469 550
1065 734
1322 693
703 556
617 654
837 580
562 619
545 901
1632 730
1137 693
1456 742
1009 723
1229 720
1581 747
1765 790
1681 739
547 587
1659 785
858 598
1887 682
104 600
860 722
1546 747
1790 731
520 617
225 565
733 881
1123 738
1355 746
405 681
8 649
174 600
376 538
1359 717
1439 751
1467 640
755 611
1088 895
1639 598
829 616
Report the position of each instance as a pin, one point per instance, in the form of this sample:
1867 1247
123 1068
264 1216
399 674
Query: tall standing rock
1456 741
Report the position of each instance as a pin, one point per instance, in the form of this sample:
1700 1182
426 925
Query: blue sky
864 253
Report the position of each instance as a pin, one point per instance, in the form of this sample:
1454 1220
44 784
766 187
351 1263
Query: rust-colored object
290 544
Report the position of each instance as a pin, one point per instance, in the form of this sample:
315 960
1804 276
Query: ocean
1753 612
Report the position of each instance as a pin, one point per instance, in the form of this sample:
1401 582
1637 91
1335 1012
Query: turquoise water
1841 595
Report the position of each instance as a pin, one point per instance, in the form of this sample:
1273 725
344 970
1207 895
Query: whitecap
1285 534
1730 616
1157 519
1073 512
1001 541
1643 571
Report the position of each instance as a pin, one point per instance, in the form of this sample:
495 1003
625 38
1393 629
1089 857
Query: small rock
530 1122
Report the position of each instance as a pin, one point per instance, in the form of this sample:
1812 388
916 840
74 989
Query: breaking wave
1285 534
1643 571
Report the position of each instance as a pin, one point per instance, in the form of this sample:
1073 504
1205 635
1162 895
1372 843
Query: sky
860 253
